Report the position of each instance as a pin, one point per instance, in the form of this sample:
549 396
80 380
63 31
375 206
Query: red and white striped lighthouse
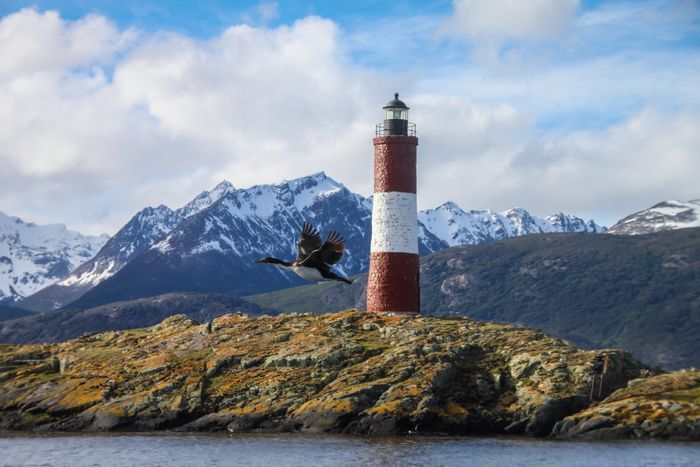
393 269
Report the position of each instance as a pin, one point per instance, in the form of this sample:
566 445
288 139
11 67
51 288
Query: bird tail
336 277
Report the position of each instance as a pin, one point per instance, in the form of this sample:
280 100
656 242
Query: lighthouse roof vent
395 104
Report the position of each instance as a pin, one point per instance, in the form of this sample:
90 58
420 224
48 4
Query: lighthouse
393 269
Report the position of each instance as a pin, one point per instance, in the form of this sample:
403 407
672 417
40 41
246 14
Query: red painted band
393 283
395 164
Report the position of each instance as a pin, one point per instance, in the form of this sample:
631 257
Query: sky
586 107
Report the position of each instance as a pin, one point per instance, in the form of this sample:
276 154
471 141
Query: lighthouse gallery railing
379 130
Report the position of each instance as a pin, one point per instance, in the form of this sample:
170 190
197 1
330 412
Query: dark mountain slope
10 312
640 293
61 325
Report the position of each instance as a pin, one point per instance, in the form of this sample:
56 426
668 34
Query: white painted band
394 223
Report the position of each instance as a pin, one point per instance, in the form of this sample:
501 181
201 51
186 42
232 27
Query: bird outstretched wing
309 241
332 249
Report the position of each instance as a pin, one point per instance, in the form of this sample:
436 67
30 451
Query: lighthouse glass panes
394 113
396 121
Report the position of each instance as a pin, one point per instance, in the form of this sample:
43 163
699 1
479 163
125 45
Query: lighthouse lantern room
393 284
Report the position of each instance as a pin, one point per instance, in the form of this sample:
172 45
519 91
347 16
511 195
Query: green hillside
639 293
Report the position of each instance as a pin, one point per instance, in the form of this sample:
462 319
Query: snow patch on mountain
33 256
92 276
568 223
205 199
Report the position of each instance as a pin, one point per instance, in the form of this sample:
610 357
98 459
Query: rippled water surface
282 450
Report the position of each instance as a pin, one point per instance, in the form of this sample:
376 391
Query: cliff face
345 372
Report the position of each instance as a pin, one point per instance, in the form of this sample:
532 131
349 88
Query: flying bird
314 259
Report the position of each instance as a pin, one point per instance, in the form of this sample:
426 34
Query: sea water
166 449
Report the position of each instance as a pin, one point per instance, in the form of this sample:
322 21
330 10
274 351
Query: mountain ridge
275 212
141 231
214 249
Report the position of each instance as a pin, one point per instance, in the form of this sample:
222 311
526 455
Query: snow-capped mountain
454 226
33 256
214 249
205 199
265 221
143 230
667 215
568 223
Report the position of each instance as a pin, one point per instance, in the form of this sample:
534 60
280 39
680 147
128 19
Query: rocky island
345 372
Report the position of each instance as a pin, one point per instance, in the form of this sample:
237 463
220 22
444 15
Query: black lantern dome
395 118
395 103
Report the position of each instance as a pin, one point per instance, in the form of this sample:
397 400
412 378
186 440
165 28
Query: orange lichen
84 395
315 370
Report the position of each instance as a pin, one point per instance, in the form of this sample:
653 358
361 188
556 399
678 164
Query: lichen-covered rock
664 406
346 372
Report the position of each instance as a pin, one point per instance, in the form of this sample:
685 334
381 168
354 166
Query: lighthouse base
393 286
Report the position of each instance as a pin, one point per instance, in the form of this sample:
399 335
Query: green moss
692 394
373 346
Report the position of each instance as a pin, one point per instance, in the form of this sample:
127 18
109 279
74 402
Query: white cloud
595 91
263 104
253 105
504 19
268 11
463 145
99 122
650 157
41 42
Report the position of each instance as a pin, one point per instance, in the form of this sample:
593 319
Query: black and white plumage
314 259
